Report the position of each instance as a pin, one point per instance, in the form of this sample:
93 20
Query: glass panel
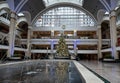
64 16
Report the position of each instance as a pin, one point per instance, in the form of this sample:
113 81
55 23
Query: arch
50 2
100 15
22 19
23 25
27 15
3 4
118 11
4 10
65 4
5 13
118 14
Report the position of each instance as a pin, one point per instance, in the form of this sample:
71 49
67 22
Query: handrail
66 37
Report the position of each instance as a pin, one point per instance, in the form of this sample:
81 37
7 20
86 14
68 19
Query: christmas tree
62 48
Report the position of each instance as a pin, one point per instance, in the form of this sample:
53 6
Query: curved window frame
50 2
55 17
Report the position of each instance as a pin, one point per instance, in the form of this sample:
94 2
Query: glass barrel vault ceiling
68 16
50 2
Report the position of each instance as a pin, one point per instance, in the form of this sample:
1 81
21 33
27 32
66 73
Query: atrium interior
72 33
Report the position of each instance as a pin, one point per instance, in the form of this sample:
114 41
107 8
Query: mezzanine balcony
68 41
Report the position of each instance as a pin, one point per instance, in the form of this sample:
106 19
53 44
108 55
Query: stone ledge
87 75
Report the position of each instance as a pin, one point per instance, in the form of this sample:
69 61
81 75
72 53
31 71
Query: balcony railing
66 37
16 48
71 51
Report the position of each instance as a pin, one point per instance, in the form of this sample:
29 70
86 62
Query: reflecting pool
56 71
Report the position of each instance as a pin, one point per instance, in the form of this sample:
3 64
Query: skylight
50 2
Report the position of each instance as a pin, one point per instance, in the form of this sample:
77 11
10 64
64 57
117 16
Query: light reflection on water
38 72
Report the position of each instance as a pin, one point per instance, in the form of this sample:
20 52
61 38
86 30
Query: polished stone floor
110 71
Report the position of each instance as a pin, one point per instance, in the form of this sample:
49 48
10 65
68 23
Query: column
28 53
99 41
52 50
52 47
75 33
12 30
113 34
75 47
52 33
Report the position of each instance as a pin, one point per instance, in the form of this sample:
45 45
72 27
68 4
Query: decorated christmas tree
62 48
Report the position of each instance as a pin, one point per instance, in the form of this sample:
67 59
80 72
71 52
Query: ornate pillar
99 41
28 53
12 30
113 34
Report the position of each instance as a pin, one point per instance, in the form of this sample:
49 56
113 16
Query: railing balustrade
66 37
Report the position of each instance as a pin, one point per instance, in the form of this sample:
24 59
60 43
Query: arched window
68 16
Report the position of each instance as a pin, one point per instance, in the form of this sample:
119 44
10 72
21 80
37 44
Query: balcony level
71 51
84 28
68 41
16 48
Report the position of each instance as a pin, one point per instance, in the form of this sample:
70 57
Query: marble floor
110 71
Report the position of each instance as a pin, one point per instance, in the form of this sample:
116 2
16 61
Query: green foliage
62 48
